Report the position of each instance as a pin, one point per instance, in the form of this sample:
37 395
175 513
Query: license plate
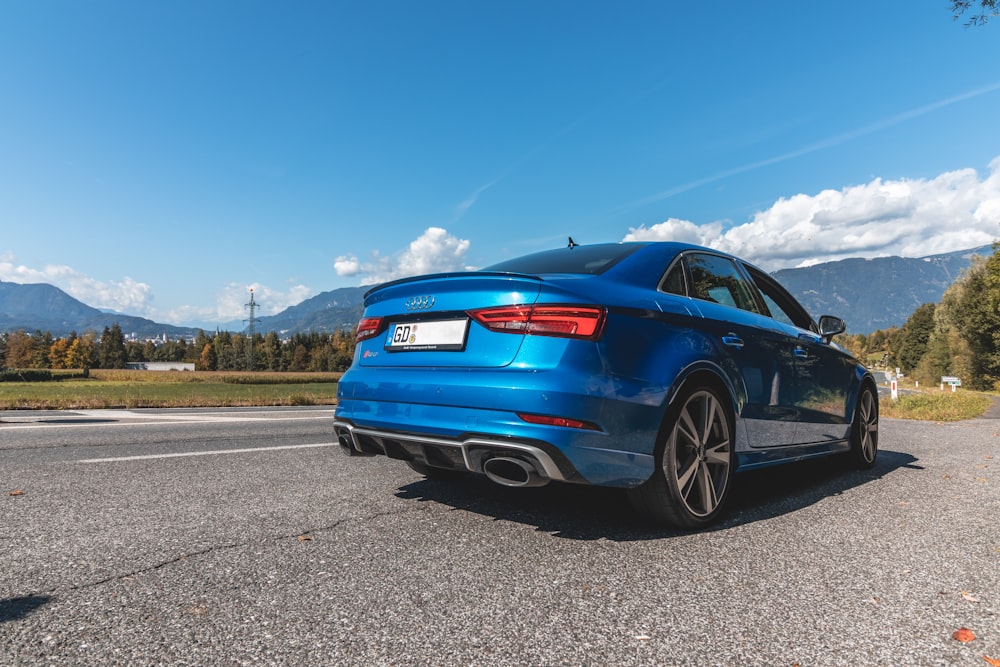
434 335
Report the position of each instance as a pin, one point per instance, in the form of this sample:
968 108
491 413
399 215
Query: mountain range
869 294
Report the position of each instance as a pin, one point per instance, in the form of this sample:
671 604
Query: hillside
324 313
44 307
877 293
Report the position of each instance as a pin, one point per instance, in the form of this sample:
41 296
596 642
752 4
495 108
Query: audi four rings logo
420 303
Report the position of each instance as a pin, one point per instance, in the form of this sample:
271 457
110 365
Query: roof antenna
572 243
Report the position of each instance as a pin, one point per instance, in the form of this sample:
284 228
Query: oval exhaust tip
508 471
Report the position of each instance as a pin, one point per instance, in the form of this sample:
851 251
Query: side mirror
830 326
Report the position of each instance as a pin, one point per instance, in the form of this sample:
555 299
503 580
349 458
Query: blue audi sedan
660 368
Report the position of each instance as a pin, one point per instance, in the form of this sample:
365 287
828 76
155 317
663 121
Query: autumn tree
83 352
58 352
207 360
20 350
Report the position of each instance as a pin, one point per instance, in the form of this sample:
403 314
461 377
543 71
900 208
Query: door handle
732 340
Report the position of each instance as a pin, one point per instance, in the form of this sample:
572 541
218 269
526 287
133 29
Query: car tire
864 430
430 472
694 461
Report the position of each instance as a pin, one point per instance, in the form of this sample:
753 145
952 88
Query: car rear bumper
555 453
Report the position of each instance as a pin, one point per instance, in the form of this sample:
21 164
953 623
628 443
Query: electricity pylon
252 329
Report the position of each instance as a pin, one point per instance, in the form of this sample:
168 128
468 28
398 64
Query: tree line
221 351
960 336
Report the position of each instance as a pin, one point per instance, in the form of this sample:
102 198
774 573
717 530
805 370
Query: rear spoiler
453 274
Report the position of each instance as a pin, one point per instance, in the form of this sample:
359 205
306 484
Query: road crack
51 593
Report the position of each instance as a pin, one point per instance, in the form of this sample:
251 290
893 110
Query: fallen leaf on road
970 597
643 638
305 538
16 492
992 661
964 635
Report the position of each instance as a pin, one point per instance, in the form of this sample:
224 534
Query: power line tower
252 329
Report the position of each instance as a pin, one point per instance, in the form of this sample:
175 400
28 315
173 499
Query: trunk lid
425 323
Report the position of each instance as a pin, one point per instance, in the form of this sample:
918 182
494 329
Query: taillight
558 421
542 320
369 327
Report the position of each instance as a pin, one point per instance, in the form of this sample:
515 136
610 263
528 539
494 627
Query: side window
717 279
673 283
781 305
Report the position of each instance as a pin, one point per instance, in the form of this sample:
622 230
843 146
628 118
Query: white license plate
435 335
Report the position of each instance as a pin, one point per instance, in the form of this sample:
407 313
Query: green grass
151 389
936 405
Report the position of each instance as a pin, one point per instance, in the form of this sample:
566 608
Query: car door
755 344
823 372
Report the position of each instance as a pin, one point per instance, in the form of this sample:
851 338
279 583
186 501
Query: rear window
588 260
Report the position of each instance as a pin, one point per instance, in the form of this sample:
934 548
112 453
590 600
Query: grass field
173 389
197 389
936 405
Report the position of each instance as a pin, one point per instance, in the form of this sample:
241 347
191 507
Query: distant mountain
324 313
869 294
879 293
44 307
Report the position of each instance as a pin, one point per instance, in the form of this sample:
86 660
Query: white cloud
910 218
233 299
434 251
347 266
676 230
125 295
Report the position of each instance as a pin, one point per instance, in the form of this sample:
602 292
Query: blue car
660 368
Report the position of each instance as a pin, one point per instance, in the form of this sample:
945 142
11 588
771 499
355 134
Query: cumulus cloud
232 300
125 295
676 230
231 303
434 251
347 266
908 217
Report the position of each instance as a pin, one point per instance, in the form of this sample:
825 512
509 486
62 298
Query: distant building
159 366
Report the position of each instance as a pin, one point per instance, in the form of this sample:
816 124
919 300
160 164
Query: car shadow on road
14 609
590 513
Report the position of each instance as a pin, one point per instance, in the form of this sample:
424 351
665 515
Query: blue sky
161 159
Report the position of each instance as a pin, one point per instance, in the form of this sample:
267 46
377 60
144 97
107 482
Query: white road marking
214 452
125 417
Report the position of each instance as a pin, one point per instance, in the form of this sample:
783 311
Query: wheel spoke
689 430
685 477
718 454
709 498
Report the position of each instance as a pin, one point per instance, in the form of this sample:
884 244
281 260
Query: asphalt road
246 537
